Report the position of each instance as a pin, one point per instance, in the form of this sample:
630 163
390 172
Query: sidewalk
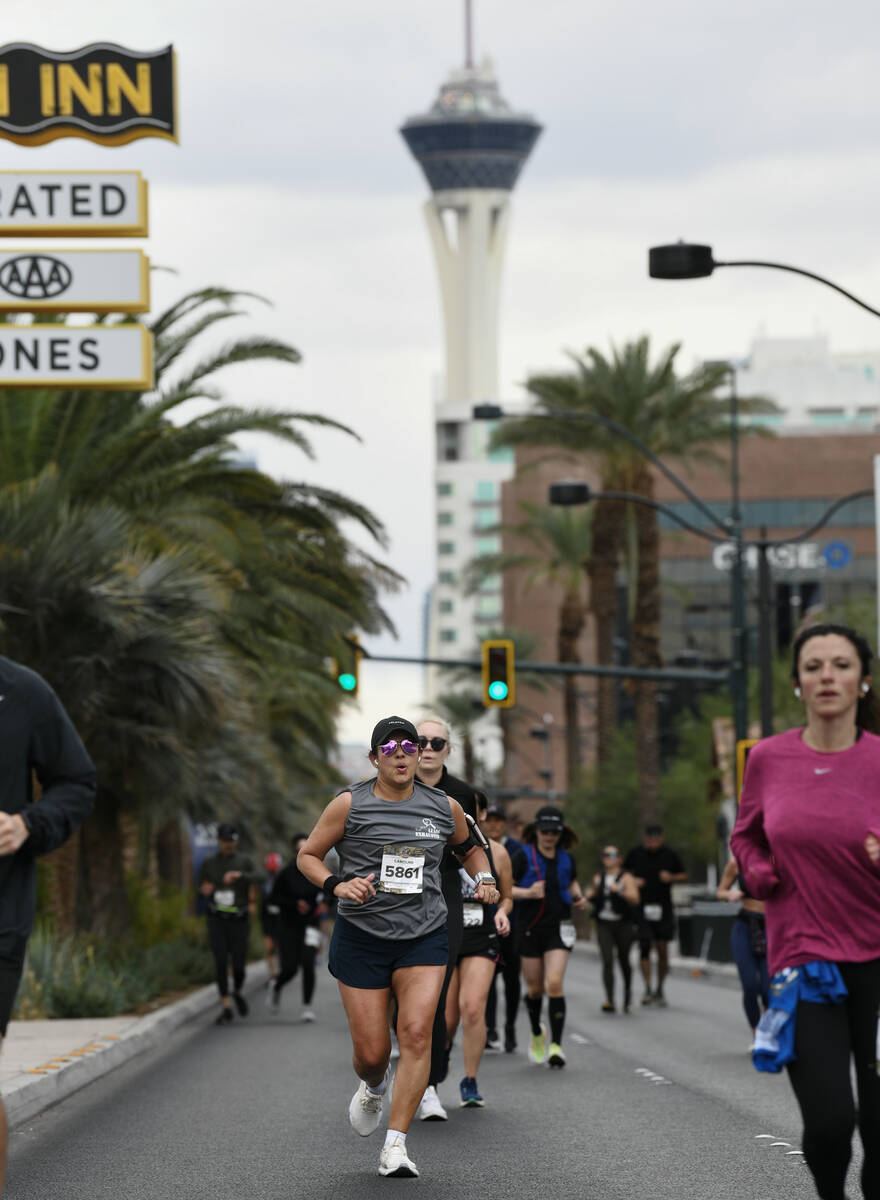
42 1062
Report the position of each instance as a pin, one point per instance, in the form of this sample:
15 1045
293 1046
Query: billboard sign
98 281
101 92
73 204
71 356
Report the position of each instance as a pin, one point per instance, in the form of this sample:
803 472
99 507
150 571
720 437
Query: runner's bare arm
329 830
473 859
505 877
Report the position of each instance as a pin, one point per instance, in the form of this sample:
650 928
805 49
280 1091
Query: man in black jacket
37 738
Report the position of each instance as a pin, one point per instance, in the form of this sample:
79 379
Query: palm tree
182 605
679 417
560 540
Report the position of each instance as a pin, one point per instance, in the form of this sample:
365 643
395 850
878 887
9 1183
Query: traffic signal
743 746
499 673
347 665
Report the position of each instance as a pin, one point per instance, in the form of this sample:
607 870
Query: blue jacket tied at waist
815 982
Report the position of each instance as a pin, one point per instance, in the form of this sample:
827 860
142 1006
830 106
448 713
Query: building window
447 577
448 635
445 488
449 441
502 455
446 548
491 583
866 414
445 518
489 606
488 491
826 416
486 518
446 606
488 545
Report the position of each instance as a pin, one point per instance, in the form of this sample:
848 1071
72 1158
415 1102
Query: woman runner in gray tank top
390 931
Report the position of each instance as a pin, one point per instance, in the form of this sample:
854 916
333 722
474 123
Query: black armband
478 838
329 884
463 849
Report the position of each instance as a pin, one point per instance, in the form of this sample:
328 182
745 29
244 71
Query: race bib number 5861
402 869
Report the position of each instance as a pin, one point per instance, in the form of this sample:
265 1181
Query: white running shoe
430 1108
308 1015
393 1160
365 1110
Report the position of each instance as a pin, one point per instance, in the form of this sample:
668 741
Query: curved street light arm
634 498
810 275
823 520
622 431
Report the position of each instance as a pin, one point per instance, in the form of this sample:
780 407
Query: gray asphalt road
662 1104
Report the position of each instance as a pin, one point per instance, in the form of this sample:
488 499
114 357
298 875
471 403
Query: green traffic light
498 690
348 682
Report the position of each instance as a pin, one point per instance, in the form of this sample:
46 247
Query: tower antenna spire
468 35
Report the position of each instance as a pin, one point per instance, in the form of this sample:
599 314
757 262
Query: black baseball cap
495 810
389 725
549 819
227 832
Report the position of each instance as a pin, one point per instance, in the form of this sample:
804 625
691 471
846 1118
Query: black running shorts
536 940
654 931
12 948
480 943
360 960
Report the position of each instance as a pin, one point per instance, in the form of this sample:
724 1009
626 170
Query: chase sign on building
102 92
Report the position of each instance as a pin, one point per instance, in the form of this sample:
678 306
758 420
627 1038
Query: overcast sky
752 126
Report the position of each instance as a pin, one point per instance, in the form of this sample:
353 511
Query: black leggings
229 937
294 953
509 970
616 935
827 1036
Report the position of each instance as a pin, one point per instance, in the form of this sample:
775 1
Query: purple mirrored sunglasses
406 746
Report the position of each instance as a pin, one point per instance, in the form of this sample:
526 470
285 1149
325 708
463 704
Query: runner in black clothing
655 867
298 901
435 744
36 738
495 828
269 914
227 879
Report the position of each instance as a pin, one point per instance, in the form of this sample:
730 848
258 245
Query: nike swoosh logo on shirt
821 770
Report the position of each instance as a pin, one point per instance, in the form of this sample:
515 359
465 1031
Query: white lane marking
580 1039
780 1143
771 1136
651 1076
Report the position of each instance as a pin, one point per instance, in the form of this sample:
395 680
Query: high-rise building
471 147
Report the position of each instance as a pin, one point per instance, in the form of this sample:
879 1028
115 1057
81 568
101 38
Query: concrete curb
26 1096
724 974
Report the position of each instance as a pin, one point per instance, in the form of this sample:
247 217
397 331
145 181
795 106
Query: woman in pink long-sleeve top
807 839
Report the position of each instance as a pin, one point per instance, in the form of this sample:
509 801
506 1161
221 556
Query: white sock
393 1134
380 1089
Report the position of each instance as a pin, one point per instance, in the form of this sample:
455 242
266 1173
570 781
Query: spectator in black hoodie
37 738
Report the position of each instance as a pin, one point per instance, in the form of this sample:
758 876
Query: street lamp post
689 260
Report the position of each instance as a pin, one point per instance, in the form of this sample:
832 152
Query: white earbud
797 693
866 687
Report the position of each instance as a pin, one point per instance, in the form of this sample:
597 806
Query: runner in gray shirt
390 932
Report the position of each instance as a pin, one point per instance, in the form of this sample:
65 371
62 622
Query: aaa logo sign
35 276
97 281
